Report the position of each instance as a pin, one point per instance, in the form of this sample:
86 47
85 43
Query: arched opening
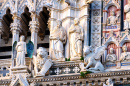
43 39
6 21
43 19
112 8
128 46
25 19
112 45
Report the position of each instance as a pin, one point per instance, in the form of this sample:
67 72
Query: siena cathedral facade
64 43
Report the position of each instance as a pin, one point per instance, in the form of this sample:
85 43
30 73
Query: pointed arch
23 5
7 5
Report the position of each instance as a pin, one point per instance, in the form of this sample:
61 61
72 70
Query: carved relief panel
111 17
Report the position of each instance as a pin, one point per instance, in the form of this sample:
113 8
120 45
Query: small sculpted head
124 48
76 21
112 13
86 50
111 51
59 23
41 52
22 38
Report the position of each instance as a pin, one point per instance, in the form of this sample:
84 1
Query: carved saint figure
111 20
111 57
76 38
125 55
127 20
58 38
41 63
21 51
108 83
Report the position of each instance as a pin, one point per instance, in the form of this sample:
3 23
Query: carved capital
34 16
34 26
15 27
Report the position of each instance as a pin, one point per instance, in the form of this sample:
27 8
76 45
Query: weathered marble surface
125 55
21 51
76 39
58 38
111 57
41 63
111 20
92 59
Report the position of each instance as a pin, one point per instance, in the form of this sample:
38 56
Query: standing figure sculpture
41 63
125 56
127 20
58 38
111 57
76 38
21 51
111 20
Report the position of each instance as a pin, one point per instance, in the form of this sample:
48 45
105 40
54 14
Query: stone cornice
69 17
90 77
70 7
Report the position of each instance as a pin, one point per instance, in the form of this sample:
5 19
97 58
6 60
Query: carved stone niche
125 55
111 17
111 56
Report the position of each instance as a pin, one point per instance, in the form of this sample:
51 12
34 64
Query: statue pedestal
19 69
20 74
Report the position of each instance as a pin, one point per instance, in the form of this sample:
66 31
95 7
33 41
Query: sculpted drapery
75 39
21 51
58 38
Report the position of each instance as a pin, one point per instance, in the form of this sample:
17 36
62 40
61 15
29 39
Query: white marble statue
75 39
21 51
111 57
127 20
41 63
108 83
111 20
58 38
92 59
125 56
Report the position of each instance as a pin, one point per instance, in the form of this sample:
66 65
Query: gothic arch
7 5
23 5
111 4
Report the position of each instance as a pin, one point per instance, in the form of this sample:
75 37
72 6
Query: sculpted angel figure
58 38
111 57
125 55
76 39
41 63
21 51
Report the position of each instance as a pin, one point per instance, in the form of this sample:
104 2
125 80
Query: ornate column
34 28
86 27
96 24
15 28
